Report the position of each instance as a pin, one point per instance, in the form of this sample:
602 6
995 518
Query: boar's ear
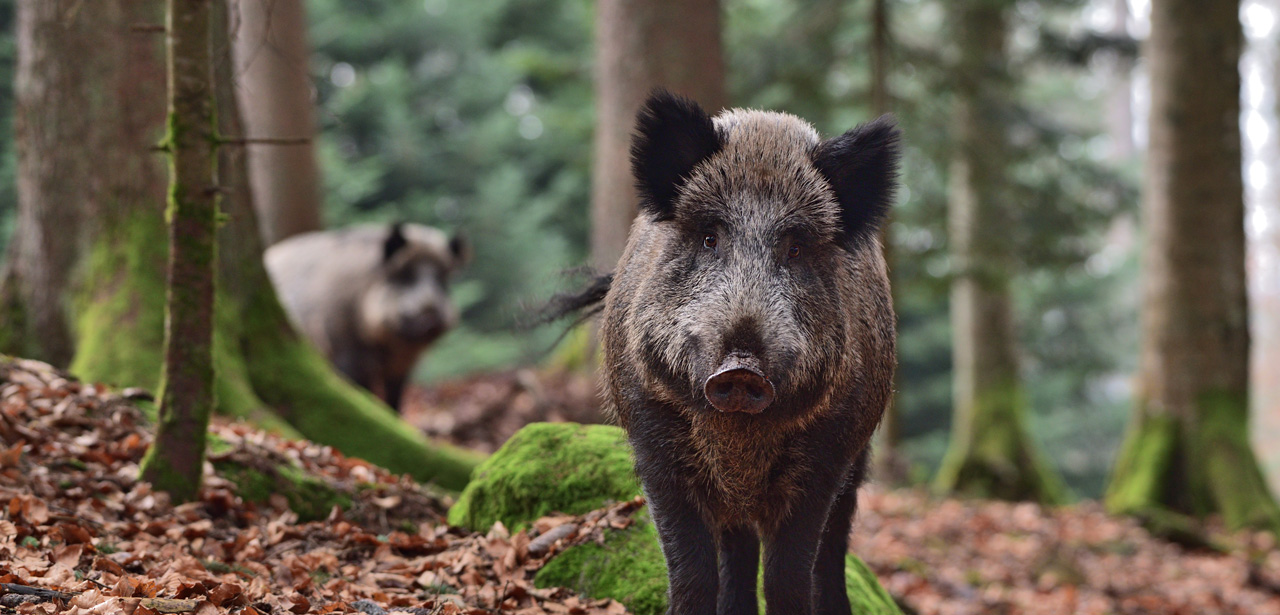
673 134
460 248
862 166
394 242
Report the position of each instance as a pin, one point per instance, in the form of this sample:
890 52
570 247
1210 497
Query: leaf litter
79 533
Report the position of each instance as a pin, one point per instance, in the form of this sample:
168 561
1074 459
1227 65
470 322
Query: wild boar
748 340
372 298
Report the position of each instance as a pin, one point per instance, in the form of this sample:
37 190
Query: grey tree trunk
274 89
889 467
673 44
1264 283
1188 445
991 454
175 461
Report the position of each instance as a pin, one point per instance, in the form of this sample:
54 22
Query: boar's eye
709 242
794 251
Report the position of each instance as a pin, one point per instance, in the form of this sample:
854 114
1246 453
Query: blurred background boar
372 298
749 347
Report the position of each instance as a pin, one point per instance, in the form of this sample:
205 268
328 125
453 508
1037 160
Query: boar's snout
426 325
738 386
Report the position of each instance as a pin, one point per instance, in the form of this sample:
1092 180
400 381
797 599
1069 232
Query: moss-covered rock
546 468
628 567
565 467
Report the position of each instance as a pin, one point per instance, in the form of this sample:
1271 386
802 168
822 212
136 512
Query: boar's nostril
738 386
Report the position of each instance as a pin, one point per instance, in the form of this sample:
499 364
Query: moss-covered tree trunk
66 67
673 44
1187 448
175 460
115 289
991 453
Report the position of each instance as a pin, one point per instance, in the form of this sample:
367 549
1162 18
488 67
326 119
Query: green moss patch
628 567
311 498
546 468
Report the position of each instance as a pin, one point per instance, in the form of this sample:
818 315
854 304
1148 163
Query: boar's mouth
738 385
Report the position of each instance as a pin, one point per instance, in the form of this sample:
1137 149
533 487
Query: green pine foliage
472 116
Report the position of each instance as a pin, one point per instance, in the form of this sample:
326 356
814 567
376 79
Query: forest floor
78 534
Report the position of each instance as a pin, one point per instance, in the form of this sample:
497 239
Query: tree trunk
1264 274
991 454
890 467
1120 89
175 461
69 54
1188 444
674 44
272 54
115 303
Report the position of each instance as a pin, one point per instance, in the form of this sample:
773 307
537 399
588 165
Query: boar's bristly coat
372 298
749 347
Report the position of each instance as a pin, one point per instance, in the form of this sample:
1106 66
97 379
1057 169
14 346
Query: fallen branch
40 592
540 545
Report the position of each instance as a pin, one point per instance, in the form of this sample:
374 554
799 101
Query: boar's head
406 301
752 226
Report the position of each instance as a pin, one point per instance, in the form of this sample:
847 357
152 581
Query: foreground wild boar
749 347
371 298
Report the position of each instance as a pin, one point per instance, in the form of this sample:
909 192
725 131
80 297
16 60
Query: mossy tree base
993 456
311 498
1194 468
565 467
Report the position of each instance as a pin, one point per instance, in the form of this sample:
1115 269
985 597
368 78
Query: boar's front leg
739 559
830 593
791 549
687 542
393 388
690 551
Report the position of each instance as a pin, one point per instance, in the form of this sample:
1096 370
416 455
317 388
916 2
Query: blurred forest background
479 116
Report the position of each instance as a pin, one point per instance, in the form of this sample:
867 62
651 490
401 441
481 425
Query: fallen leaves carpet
78 534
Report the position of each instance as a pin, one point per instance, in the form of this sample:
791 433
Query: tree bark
991 454
175 461
70 54
1120 89
115 301
1188 444
271 59
1264 274
674 44
889 467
